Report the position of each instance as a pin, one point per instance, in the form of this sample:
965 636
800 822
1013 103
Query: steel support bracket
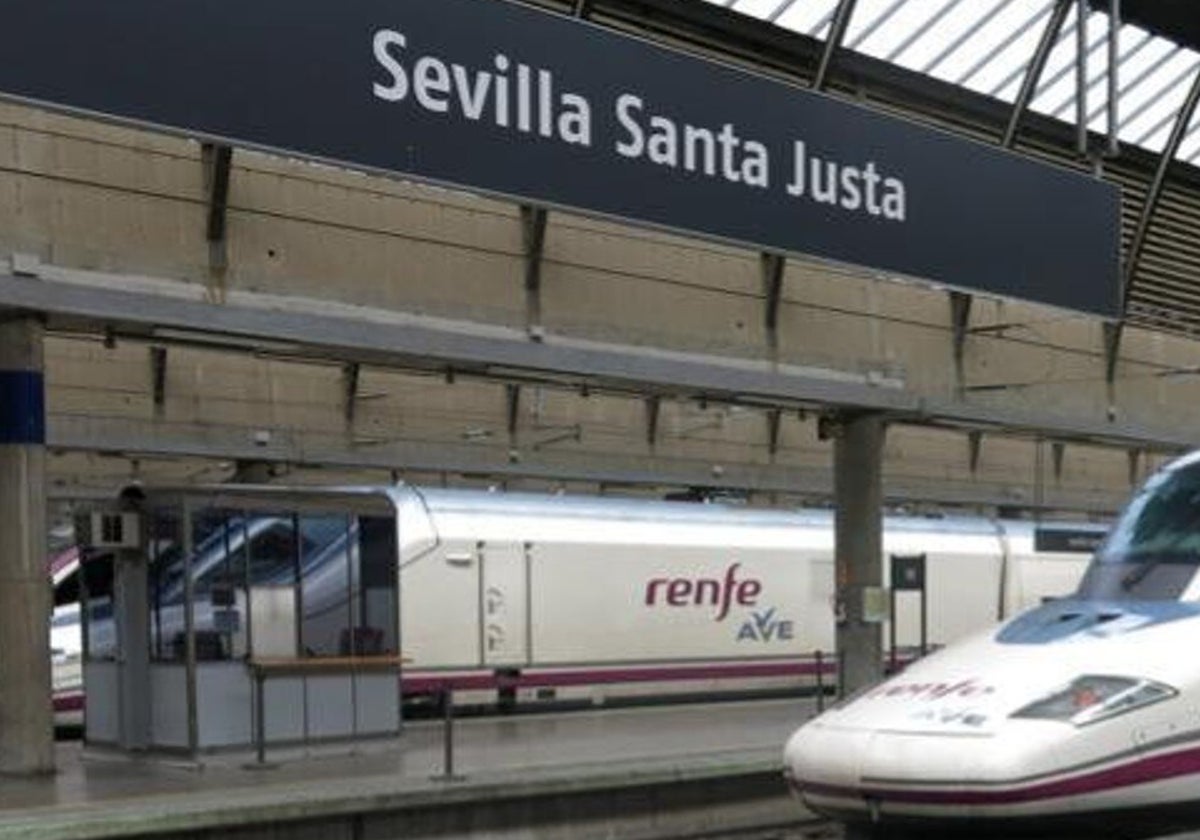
350 378
960 319
512 401
653 410
573 432
533 236
1058 455
217 160
774 420
773 266
974 448
1112 349
158 375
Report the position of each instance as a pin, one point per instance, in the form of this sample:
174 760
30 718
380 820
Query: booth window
272 584
324 583
165 554
376 589
348 586
274 568
101 641
217 568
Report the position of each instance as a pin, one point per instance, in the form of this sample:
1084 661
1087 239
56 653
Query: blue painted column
26 714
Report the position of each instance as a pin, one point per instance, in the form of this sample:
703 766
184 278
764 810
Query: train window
1154 548
65 619
67 591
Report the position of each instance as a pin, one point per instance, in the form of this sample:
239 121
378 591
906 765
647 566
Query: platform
617 772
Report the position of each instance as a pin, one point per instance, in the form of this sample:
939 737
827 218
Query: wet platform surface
95 791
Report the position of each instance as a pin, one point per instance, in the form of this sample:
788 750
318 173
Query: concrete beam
147 438
299 327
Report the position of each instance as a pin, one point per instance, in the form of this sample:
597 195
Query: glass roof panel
981 35
870 16
1006 53
755 9
909 20
1144 61
1150 123
1189 149
987 47
811 16
952 20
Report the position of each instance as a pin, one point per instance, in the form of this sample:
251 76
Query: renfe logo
927 691
686 592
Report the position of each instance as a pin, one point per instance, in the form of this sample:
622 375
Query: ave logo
765 627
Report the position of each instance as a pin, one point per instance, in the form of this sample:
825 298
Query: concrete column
26 713
858 544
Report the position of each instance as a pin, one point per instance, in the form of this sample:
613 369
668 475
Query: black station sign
1067 540
500 98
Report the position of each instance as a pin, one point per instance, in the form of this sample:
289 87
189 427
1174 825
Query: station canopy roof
986 47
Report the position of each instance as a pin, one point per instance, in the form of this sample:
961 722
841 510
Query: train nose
824 761
858 774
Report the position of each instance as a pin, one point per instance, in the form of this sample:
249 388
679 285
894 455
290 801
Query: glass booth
246 616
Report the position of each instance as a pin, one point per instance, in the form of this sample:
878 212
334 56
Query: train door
504 604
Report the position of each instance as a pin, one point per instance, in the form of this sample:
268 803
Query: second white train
527 599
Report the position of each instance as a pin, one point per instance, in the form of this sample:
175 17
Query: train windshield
1153 551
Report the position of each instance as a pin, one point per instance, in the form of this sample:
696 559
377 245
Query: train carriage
519 599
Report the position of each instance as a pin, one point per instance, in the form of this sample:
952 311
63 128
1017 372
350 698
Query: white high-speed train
1084 710
525 599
